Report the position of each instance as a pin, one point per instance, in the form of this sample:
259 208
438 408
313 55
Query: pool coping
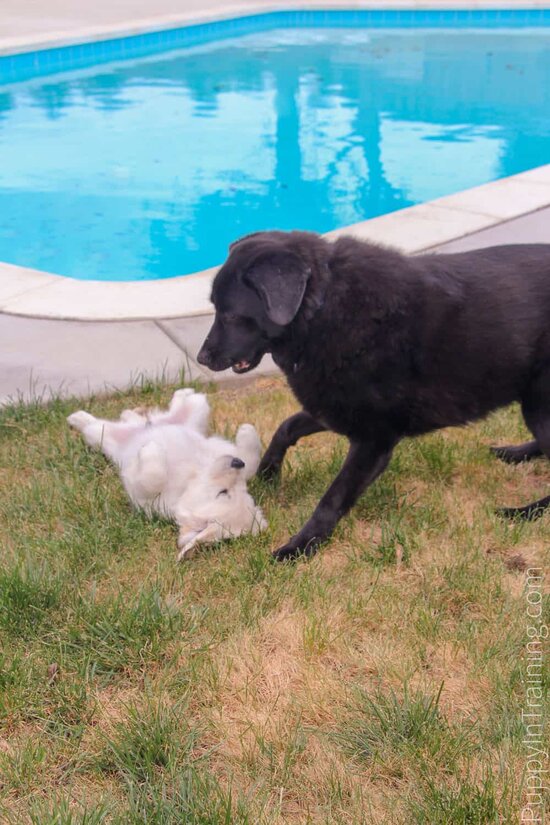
16 45
31 293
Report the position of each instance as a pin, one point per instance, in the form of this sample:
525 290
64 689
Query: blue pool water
149 168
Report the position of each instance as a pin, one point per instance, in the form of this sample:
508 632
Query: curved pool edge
30 293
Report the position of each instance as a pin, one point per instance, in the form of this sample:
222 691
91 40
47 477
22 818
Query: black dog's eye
230 318
241 321
222 493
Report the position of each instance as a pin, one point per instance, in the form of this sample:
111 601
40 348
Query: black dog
378 346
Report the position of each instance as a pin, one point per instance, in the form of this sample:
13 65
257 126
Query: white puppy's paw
185 392
248 434
249 447
180 399
132 417
80 420
260 523
189 408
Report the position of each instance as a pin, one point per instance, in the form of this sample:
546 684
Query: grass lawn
382 682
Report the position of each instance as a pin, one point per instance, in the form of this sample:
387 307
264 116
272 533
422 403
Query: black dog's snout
237 463
204 356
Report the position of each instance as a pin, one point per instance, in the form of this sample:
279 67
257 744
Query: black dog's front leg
363 464
287 434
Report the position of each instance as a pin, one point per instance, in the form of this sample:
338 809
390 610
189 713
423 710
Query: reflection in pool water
151 168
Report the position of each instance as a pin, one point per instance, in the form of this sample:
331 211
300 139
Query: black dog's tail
530 512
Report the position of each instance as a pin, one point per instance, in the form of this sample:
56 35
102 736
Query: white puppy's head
218 507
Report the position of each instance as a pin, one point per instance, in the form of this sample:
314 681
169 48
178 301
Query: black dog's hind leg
518 453
363 465
536 411
287 434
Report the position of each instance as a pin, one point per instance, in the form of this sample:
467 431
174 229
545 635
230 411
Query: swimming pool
148 168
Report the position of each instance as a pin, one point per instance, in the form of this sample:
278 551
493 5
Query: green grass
385 725
29 594
381 682
471 800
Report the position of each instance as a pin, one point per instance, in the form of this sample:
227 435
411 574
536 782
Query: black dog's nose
237 464
204 356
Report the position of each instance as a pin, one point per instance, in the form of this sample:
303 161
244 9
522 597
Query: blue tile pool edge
42 62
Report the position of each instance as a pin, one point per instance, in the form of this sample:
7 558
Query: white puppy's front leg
249 448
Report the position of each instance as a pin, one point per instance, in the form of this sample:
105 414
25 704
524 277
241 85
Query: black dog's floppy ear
243 238
280 279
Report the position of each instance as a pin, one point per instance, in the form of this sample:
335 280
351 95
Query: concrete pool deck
33 24
61 336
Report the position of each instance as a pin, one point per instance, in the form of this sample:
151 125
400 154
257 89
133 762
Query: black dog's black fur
378 346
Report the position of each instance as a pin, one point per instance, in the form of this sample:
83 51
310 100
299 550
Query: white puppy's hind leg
94 430
107 436
181 395
199 417
188 408
191 409
249 448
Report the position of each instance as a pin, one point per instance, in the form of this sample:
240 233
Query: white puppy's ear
188 541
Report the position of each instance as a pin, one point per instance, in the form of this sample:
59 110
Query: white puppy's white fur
168 465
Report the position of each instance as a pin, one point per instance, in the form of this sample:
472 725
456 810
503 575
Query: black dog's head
257 294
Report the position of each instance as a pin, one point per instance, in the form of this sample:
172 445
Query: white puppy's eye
222 493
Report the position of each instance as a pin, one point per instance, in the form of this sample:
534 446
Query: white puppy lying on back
169 466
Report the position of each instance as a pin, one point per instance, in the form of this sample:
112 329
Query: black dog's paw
511 513
269 471
295 548
287 553
517 453
531 512
504 454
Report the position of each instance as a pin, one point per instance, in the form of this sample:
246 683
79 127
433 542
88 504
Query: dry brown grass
297 690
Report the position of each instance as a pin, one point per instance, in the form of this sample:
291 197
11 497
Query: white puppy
169 466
